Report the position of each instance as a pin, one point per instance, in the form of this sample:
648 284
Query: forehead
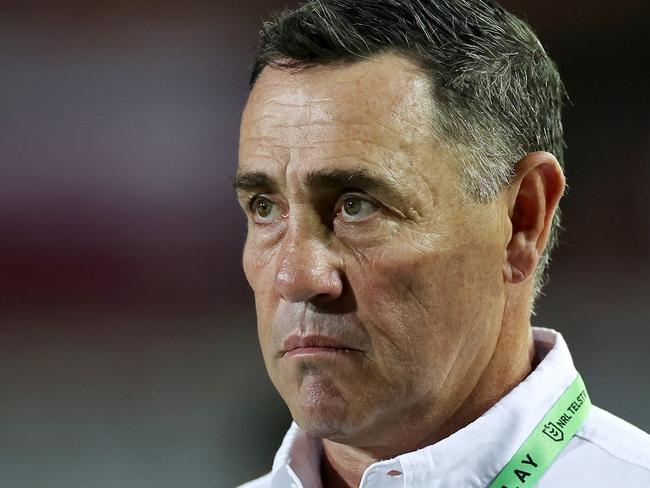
376 109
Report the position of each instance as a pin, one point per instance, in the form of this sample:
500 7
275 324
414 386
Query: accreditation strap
546 441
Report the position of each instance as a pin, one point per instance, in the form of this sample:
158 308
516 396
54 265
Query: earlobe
532 201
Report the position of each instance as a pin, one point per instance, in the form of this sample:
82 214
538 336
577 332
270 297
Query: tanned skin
360 230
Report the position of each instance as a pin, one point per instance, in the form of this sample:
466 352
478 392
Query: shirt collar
472 456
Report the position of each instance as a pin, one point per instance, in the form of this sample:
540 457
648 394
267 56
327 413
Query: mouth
315 345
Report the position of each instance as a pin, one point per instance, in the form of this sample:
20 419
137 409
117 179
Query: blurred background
128 354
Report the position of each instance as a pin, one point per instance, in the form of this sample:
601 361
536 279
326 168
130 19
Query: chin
326 426
321 411
334 425
322 428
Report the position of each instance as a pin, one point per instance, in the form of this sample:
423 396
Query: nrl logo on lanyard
553 431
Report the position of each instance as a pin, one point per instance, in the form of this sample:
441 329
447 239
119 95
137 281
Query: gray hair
499 93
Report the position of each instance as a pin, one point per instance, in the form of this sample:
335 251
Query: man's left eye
355 208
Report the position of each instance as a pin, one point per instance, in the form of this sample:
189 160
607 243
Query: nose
307 270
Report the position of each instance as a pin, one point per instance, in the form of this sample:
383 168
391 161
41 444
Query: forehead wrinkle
292 107
392 113
312 136
354 140
266 152
265 158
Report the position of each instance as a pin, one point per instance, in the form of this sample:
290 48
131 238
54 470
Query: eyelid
356 193
252 198
390 209
361 196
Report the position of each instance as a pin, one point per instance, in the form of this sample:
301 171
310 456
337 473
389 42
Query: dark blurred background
128 354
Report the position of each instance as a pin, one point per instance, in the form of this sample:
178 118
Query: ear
532 201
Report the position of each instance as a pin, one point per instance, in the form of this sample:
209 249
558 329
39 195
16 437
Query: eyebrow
254 181
360 178
325 179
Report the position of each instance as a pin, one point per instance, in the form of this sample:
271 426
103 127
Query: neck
512 360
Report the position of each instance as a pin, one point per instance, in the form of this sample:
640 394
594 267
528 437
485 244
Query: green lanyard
546 441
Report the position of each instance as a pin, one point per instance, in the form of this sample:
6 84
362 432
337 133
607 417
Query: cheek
432 276
260 265
257 258
259 270
394 304
423 305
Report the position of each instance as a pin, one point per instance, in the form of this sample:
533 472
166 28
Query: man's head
499 96
393 168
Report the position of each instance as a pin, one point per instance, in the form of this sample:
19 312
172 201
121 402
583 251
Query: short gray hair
499 92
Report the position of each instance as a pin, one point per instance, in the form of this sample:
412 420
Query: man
400 167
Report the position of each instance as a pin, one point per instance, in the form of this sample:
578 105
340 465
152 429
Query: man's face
378 283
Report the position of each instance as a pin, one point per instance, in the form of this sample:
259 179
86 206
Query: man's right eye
264 210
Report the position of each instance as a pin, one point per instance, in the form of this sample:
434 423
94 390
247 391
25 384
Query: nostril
323 299
308 284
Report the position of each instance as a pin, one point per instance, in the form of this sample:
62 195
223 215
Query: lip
315 345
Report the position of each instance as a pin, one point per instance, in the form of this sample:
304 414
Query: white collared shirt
606 452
